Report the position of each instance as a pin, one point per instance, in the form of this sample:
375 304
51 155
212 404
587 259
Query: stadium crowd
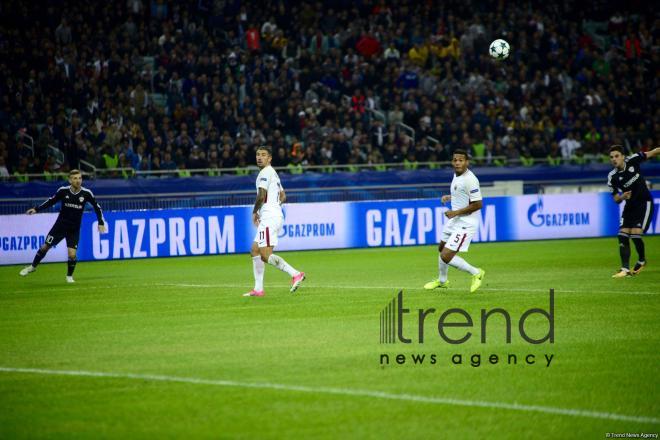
199 84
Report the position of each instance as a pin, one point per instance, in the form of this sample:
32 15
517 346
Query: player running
627 183
67 225
267 216
463 221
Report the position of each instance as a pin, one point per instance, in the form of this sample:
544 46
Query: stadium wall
334 225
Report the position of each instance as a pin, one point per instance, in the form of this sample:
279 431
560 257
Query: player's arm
261 199
653 153
47 204
446 198
282 196
473 206
616 195
99 214
637 158
618 198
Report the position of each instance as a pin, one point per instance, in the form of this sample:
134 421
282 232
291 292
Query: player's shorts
62 230
637 215
458 234
267 231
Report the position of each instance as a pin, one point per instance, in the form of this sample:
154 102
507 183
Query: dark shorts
637 215
62 230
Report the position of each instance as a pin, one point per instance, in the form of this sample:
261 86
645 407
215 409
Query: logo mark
536 220
388 318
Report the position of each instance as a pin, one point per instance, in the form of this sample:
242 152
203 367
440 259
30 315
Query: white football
499 49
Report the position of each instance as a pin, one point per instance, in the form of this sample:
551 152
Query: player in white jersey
463 222
267 216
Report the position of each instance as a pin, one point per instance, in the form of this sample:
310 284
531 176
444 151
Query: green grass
185 317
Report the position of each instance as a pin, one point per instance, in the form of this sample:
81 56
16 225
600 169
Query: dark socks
639 246
624 249
38 257
71 266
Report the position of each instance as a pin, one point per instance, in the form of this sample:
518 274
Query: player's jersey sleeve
264 178
636 159
610 184
97 208
59 195
473 189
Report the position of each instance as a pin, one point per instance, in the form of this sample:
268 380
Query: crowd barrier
333 225
202 184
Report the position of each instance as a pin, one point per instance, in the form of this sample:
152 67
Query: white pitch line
323 286
326 286
345 392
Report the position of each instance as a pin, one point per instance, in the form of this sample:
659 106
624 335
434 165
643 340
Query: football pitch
169 347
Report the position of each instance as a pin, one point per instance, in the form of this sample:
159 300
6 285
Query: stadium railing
91 171
241 197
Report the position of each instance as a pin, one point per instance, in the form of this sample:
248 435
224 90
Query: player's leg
460 241
258 269
71 264
272 228
41 253
624 250
443 269
645 216
72 238
55 235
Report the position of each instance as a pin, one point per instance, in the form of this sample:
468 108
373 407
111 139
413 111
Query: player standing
463 217
627 183
67 225
267 216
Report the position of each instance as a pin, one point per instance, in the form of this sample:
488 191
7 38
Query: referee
67 225
627 183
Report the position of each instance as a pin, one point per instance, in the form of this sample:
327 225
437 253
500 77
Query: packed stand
178 86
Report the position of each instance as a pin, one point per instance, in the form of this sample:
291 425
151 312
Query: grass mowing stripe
344 392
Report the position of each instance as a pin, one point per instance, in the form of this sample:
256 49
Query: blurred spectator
569 146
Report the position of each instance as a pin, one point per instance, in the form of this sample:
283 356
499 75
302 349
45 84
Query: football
499 49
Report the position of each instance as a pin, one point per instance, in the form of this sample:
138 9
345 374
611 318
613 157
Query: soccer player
627 183
267 216
67 225
463 221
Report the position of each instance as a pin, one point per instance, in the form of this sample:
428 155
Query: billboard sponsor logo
153 237
308 230
410 226
538 217
22 243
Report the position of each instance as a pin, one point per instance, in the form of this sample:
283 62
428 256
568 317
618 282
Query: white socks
443 268
282 265
258 268
463 265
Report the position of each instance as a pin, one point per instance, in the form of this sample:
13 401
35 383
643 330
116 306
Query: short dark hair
74 171
463 152
266 148
618 148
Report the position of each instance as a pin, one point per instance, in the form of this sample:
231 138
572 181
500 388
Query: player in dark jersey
627 183
67 225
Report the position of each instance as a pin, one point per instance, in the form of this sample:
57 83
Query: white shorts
267 231
457 234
